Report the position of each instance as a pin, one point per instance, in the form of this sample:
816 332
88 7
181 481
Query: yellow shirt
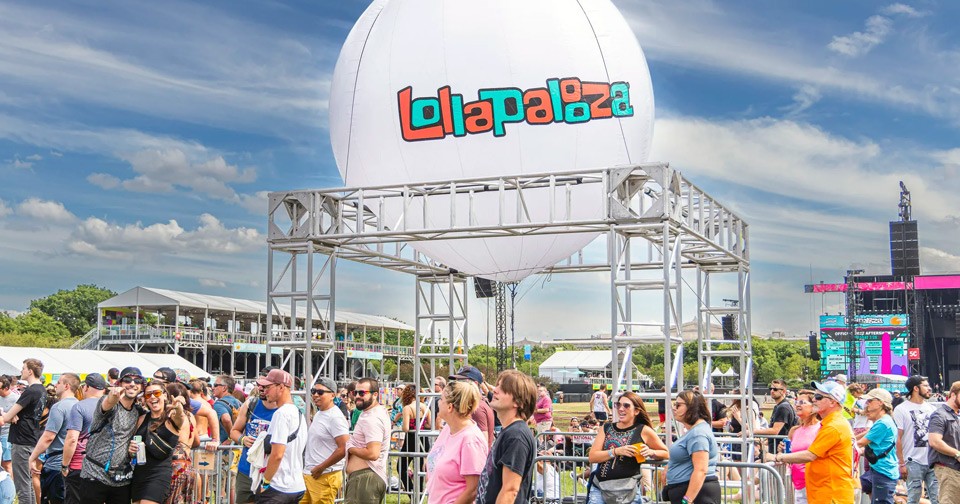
830 477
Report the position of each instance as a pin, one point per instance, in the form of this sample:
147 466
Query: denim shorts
5 445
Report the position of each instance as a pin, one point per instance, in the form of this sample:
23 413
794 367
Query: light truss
658 226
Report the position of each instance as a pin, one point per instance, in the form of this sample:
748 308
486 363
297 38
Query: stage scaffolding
662 233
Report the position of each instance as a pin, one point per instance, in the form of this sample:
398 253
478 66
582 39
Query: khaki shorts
949 484
364 487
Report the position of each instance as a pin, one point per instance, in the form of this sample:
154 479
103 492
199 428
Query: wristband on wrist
685 500
610 452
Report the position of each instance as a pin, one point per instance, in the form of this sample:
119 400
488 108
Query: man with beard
783 416
326 446
106 474
282 481
78 432
53 438
912 418
367 448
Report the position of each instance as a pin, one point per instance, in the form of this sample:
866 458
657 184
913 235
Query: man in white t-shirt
326 446
912 418
283 471
367 447
598 404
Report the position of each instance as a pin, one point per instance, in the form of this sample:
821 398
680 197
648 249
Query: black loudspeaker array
814 347
484 288
729 325
904 249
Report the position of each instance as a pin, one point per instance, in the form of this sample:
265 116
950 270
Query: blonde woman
460 452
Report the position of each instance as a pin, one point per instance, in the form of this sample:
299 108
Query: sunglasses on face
678 404
154 393
802 403
624 405
362 393
320 392
819 397
126 380
218 385
775 389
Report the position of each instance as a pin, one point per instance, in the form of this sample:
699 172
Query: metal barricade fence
216 474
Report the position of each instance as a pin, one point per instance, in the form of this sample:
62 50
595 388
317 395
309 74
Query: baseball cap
328 384
94 380
166 374
841 377
881 395
276 377
130 371
914 381
832 389
468 373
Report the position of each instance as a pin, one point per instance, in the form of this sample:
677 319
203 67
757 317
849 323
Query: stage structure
660 229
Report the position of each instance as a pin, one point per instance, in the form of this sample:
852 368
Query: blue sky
138 141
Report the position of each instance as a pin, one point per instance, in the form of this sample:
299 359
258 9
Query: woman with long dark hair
692 471
411 414
616 449
160 433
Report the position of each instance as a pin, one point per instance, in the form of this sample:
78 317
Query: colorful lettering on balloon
567 100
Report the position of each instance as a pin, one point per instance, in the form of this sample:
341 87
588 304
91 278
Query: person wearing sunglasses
159 431
106 473
326 446
53 437
226 405
879 445
783 417
829 458
692 471
368 446
253 418
615 450
282 474
801 436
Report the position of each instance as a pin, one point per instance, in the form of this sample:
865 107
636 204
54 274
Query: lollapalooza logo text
568 100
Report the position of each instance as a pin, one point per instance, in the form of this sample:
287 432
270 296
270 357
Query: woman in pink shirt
457 458
801 437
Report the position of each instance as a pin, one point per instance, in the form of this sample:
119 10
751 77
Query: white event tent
57 361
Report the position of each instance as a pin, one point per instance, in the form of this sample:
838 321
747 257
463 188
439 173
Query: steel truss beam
657 223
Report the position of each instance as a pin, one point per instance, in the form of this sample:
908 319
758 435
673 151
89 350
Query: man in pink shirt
367 448
543 415
483 415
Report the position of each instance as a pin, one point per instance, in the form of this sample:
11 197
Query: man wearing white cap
829 458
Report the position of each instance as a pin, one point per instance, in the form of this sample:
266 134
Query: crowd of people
131 438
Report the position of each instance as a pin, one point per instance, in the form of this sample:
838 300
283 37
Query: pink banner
864 286
937 282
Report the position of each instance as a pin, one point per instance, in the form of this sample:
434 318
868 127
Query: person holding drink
619 449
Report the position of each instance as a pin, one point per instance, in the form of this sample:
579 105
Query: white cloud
4 209
860 43
161 170
805 97
104 180
700 34
255 203
19 164
934 260
210 282
902 9
96 237
48 211
56 154
34 157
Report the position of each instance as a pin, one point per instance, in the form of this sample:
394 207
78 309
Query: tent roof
57 361
731 372
151 296
578 359
716 372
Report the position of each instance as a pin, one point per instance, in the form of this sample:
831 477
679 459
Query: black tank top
619 467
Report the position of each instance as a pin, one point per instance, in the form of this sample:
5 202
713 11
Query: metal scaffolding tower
658 227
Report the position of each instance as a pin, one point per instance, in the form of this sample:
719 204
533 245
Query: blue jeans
595 497
917 475
7 490
884 489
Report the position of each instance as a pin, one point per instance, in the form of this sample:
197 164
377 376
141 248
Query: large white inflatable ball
433 90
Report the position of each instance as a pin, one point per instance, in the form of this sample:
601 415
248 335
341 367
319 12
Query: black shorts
601 416
51 486
151 482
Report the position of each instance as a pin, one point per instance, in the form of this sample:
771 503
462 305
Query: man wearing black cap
78 427
53 438
483 415
106 473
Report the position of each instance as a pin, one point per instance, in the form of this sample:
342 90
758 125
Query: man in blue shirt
226 406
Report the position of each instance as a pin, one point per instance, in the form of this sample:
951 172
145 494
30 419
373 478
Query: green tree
75 309
43 325
7 323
